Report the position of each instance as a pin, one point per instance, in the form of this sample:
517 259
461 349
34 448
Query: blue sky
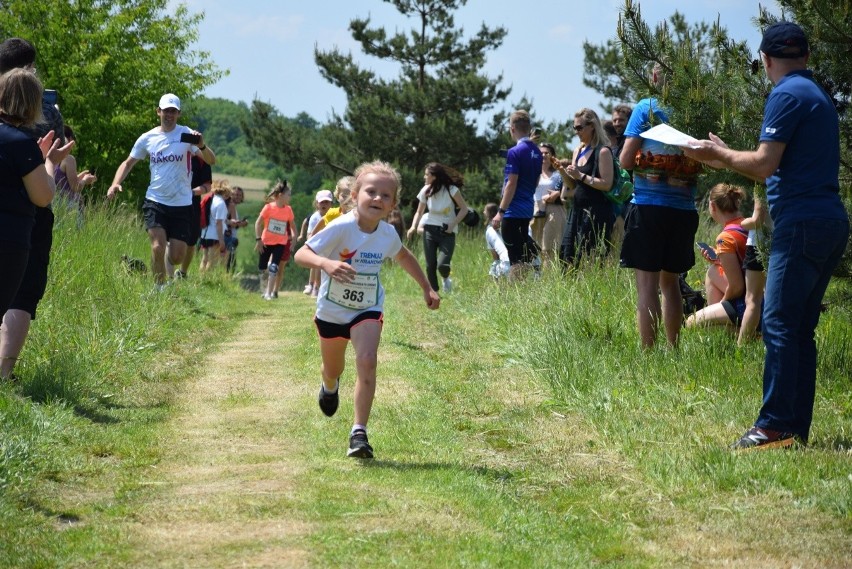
268 45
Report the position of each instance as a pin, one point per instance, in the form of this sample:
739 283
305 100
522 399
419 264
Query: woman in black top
591 171
24 179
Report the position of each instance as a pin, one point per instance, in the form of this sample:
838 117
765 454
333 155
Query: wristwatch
501 210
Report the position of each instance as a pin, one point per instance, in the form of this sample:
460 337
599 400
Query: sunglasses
579 127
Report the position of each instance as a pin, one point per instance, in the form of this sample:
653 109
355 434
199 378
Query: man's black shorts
175 220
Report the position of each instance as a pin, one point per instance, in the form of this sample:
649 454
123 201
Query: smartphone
190 138
711 253
50 96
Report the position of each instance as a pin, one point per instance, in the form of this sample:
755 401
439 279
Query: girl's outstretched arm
409 264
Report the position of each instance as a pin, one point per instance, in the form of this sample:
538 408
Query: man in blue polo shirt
799 157
523 168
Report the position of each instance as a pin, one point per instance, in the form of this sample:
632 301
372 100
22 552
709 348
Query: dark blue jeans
801 259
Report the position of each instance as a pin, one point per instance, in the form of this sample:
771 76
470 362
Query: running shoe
328 402
448 285
308 289
179 275
757 438
359 447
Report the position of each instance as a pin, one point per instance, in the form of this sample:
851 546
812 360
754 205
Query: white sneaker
448 285
309 288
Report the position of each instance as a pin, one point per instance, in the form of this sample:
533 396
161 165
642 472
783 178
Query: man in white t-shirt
168 202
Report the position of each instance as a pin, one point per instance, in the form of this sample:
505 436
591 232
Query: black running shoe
758 439
358 445
328 401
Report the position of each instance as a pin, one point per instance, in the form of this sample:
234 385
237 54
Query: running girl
274 233
350 252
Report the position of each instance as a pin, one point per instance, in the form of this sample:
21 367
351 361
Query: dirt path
230 458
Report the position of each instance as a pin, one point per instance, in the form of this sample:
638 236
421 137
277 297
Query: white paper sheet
668 135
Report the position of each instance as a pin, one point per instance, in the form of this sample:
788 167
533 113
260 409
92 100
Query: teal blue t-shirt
662 176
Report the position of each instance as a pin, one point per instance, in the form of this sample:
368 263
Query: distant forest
219 120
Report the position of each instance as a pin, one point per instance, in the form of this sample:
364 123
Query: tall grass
96 378
673 413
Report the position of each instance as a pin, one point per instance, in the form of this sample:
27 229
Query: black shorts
209 243
751 262
329 330
194 223
515 232
277 253
735 310
175 220
34 283
659 238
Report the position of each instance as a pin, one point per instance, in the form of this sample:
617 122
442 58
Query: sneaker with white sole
757 438
308 289
448 285
359 446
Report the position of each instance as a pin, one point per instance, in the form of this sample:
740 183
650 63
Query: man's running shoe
308 289
757 438
448 285
328 402
359 447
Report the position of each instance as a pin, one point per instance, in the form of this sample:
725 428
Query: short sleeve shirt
523 160
344 241
276 224
218 212
732 239
313 220
170 162
662 176
19 156
442 208
805 185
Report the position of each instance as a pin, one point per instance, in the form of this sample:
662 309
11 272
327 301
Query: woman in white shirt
446 210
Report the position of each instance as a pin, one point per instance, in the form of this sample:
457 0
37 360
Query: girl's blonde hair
590 118
221 188
727 197
20 98
380 169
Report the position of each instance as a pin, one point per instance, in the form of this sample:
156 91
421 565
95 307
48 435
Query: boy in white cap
168 202
322 203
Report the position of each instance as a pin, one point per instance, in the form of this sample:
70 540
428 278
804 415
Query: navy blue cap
784 40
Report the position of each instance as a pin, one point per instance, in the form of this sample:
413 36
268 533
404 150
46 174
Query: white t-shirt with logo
442 208
170 164
218 211
343 240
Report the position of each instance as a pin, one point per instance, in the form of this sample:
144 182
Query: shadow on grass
436 466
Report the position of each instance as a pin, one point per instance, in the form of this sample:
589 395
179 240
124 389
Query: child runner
322 203
350 253
500 255
341 193
274 232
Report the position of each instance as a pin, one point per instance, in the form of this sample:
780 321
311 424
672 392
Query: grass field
517 426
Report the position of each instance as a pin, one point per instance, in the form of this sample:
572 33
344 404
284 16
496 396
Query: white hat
324 196
169 101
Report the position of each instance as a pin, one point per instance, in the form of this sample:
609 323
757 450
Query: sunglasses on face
579 127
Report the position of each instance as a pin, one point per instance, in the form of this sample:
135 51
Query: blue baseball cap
784 40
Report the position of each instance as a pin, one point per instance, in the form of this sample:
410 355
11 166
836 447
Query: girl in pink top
274 233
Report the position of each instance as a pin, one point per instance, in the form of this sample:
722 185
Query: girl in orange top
725 281
274 231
